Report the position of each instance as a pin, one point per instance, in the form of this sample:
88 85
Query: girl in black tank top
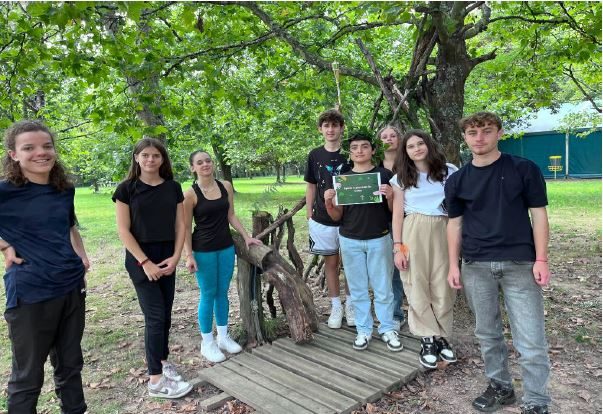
210 252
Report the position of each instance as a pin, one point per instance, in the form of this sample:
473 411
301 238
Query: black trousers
54 327
156 300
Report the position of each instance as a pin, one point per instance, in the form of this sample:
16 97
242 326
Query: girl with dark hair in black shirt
151 226
210 252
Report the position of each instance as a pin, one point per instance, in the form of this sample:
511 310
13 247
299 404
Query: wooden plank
258 397
332 399
196 382
346 366
371 359
264 379
215 401
324 376
377 346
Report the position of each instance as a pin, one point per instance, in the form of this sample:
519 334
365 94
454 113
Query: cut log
295 295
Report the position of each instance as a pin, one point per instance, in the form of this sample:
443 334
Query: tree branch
470 31
483 58
472 7
384 88
309 57
568 71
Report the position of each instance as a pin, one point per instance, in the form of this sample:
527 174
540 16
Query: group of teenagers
483 228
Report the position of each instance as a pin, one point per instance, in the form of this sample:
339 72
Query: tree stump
295 295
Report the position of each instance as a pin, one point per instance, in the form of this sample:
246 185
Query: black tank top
212 231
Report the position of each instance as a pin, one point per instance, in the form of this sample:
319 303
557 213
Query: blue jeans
525 308
213 277
370 263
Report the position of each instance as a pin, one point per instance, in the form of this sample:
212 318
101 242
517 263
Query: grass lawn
113 316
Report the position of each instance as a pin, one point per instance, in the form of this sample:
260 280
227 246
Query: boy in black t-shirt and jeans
323 163
366 249
488 202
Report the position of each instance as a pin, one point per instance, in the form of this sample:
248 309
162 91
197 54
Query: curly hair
165 170
405 168
12 170
331 115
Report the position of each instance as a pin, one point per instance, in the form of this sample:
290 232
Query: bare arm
540 229
234 220
400 259
453 233
310 196
335 212
78 246
122 214
190 201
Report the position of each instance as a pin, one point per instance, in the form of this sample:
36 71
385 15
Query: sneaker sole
426 365
497 406
360 348
395 349
450 361
173 396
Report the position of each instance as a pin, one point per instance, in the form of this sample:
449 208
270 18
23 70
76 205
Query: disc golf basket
555 164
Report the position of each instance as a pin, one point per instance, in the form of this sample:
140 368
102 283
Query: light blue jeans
525 308
370 263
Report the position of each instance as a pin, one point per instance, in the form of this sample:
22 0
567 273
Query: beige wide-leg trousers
430 298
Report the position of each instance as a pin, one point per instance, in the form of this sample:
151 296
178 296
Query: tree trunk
225 167
277 167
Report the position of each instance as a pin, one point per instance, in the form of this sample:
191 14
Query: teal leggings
213 277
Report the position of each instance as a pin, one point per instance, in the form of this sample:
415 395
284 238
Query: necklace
207 190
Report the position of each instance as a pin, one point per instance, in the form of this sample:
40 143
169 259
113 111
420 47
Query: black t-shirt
212 230
321 167
152 209
494 202
367 221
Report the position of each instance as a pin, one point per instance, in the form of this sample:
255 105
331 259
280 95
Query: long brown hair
165 170
405 168
12 170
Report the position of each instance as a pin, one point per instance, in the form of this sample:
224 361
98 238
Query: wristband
5 247
398 243
542 260
142 263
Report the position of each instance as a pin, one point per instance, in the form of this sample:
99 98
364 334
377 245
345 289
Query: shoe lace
490 392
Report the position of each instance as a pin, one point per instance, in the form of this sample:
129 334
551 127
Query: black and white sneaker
361 342
534 409
428 356
494 398
445 351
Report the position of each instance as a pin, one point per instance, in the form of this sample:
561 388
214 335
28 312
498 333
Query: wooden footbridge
325 375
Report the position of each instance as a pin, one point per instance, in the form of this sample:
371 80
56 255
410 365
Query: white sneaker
350 315
334 321
211 352
169 371
392 341
167 388
226 343
361 342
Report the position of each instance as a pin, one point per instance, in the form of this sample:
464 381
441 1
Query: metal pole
566 154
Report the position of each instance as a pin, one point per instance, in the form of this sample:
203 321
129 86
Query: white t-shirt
428 197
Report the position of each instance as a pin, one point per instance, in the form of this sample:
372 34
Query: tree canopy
248 79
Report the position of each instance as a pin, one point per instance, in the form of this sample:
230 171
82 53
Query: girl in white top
420 245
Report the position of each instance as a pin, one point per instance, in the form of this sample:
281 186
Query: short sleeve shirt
36 220
367 221
321 167
494 202
152 209
427 197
